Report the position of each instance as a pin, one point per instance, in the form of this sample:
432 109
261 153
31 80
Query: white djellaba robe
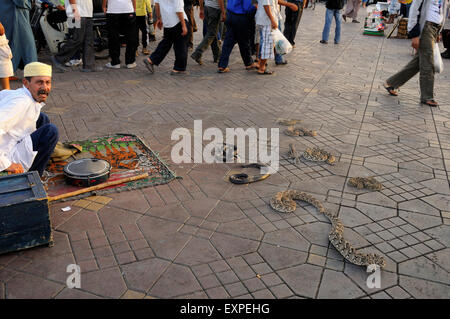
6 67
18 115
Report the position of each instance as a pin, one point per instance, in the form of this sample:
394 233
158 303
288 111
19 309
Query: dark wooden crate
24 217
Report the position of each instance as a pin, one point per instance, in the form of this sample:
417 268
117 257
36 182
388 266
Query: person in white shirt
425 23
6 67
81 36
171 15
27 138
121 19
267 17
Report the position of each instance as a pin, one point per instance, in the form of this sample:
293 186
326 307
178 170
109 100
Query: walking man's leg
338 20
88 47
292 21
71 47
228 43
326 28
356 6
244 23
426 61
129 29
180 47
113 38
212 20
163 47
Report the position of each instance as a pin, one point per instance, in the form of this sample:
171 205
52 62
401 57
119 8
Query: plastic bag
282 45
438 64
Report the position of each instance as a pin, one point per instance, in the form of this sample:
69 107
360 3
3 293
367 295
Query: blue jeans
278 57
44 141
236 25
326 29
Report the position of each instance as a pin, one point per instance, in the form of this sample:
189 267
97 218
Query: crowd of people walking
247 23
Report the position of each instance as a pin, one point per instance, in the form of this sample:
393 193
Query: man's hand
15 168
2 29
159 24
439 38
292 6
415 43
223 16
184 29
76 13
274 24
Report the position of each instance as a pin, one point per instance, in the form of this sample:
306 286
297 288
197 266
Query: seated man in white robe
27 138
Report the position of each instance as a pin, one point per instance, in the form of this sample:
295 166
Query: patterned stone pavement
202 237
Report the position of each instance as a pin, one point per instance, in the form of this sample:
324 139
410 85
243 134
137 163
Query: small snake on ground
317 155
365 182
299 131
293 154
288 122
284 202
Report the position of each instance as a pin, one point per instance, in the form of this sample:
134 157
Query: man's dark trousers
172 36
122 23
44 141
238 26
80 39
141 25
189 10
292 21
212 20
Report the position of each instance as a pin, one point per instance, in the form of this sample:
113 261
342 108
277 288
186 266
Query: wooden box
24 217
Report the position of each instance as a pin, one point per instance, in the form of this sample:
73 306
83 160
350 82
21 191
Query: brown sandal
223 70
252 66
391 90
432 103
265 72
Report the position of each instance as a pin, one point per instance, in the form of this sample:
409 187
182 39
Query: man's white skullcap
37 69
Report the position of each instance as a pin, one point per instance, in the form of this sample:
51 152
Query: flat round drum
87 172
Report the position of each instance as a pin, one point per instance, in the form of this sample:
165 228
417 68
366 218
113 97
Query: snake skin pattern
365 182
284 202
317 155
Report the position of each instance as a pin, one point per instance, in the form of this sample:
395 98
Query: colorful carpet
128 156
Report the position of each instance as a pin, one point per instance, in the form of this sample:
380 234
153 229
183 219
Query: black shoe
196 58
446 54
323 42
282 62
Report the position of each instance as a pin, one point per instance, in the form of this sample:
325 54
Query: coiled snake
365 182
317 155
299 131
284 202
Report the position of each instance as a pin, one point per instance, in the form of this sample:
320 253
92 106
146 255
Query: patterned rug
128 156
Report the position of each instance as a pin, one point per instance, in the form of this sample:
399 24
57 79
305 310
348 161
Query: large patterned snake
284 202
317 155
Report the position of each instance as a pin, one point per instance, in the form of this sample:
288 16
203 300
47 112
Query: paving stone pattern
203 237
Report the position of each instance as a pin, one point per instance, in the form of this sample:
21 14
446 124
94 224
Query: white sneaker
74 62
131 65
110 66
